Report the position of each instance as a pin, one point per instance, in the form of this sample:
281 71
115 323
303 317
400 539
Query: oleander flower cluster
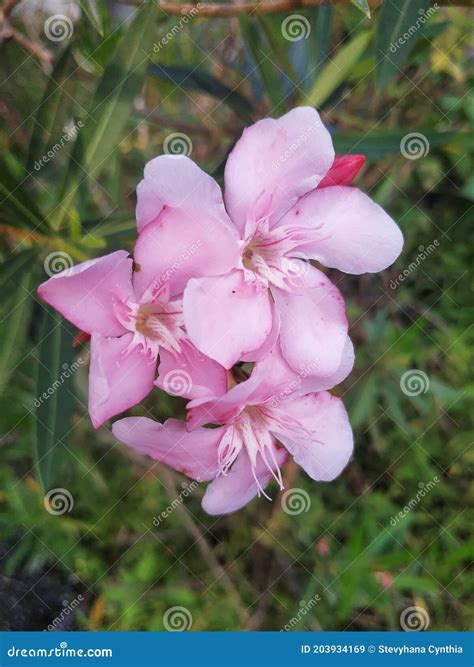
222 304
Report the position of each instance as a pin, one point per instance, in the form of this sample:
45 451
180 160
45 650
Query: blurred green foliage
254 569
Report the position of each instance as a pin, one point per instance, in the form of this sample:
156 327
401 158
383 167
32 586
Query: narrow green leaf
363 6
337 69
376 145
54 400
399 27
93 13
279 46
16 278
17 207
104 126
254 39
191 78
321 18
51 109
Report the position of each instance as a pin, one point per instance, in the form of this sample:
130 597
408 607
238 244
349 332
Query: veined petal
313 327
184 229
226 318
326 453
86 293
118 377
190 373
346 230
274 163
193 454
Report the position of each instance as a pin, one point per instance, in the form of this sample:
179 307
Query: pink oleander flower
242 455
245 282
129 328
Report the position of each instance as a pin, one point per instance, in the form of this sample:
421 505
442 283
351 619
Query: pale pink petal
313 327
346 230
193 454
343 171
190 373
86 293
270 342
326 453
226 317
184 228
230 492
117 379
274 163
281 381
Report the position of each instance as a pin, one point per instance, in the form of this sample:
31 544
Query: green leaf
16 278
380 144
54 394
398 30
104 126
363 6
192 78
254 38
51 109
94 14
18 208
278 44
321 17
337 69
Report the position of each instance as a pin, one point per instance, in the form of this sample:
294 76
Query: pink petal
343 171
346 230
190 374
270 342
226 317
313 328
327 452
274 163
85 294
193 454
230 492
184 229
117 380
283 382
